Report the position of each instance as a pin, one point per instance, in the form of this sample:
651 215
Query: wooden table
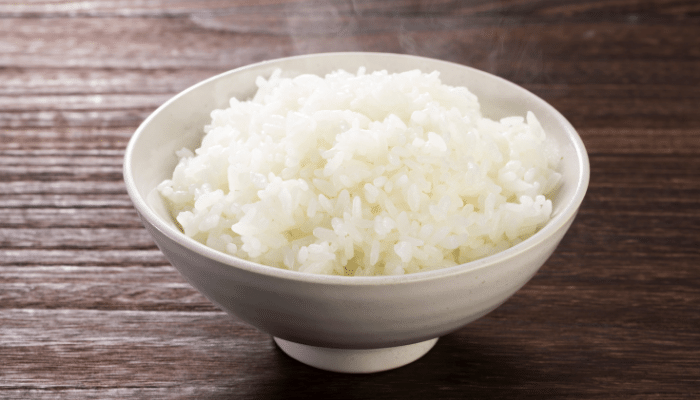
89 308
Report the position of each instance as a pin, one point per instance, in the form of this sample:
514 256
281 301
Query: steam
491 38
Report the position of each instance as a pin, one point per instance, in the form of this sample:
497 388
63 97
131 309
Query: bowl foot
355 361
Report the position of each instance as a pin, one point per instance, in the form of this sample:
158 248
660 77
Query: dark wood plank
117 287
44 218
164 340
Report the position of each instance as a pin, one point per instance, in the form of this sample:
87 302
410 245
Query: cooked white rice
363 174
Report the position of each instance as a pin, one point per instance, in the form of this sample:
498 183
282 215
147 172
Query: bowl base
355 361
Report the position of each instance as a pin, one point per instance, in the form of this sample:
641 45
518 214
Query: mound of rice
363 174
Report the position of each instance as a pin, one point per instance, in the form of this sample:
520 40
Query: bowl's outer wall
351 316
316 312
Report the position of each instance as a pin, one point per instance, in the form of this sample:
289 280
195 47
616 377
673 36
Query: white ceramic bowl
347 324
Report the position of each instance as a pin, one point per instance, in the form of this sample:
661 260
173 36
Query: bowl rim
558 221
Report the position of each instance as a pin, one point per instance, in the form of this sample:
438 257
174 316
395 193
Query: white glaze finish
347 312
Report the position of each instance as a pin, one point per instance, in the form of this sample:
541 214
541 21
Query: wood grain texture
90 308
